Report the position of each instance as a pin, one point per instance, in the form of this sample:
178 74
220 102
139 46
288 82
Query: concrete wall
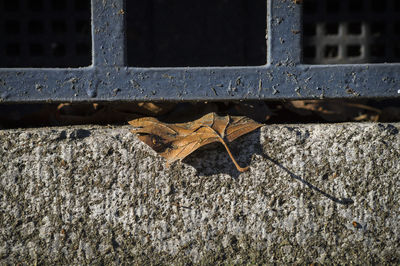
315 193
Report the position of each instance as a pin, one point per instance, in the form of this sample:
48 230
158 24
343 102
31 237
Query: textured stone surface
314 193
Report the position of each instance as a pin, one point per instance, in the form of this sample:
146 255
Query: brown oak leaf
176 141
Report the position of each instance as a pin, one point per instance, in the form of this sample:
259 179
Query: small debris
134 83
351 91
231 89
116 91
167 76
356 225
333 176
238 81
38 87
72 80
278 21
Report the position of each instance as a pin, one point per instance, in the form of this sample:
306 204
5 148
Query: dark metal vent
137 44
196 33
351 31
45 33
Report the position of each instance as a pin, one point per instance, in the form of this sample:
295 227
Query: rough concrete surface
324 193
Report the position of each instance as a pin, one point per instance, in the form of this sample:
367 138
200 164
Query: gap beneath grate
269 112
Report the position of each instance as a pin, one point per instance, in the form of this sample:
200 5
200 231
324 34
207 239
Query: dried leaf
176 141
335 110
104 113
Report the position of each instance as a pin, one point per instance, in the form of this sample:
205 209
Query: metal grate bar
284 32
109 47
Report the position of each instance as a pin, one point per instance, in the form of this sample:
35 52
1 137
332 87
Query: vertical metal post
108 33
284 32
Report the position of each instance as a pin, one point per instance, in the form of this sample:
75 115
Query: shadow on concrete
205 166
75 134
343 201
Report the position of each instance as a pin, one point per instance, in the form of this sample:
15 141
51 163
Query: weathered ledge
326 193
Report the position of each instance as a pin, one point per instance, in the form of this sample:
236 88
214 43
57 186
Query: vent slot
351 31
45 33
181 33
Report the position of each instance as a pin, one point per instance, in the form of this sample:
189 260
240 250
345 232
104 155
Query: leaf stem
240 169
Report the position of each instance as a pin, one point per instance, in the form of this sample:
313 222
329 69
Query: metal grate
45 33
169 50
174 33
351 31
